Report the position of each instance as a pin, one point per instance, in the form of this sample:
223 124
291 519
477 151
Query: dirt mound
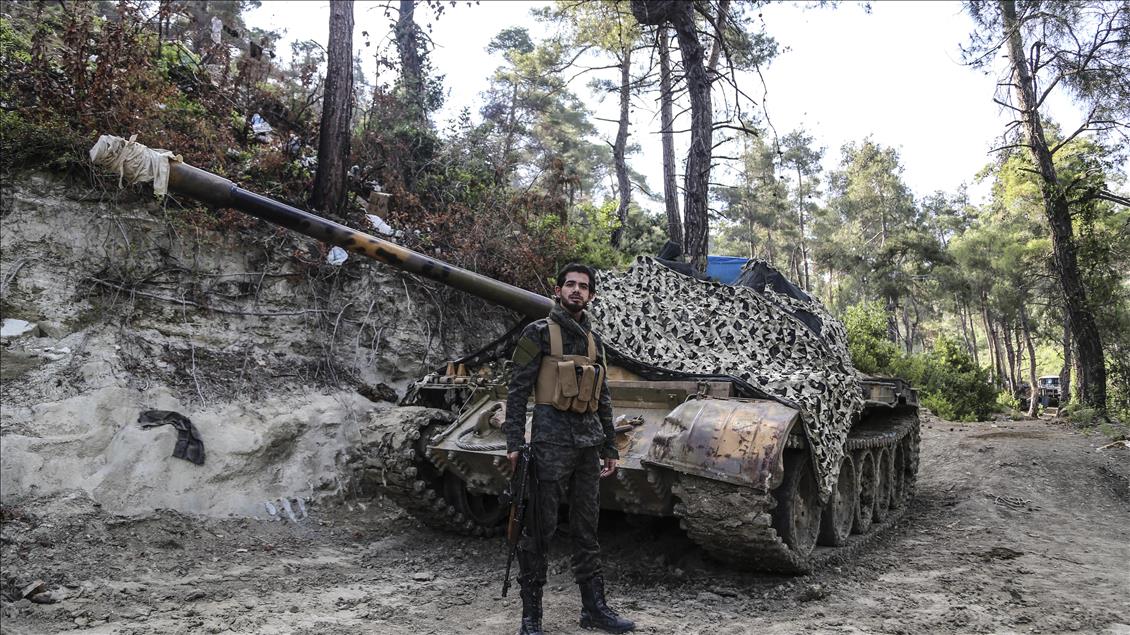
113 307
275 454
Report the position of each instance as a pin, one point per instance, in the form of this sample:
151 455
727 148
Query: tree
411 62
729 31
757 207
798 155
610 29
667 122
337 109
544 128
867 202
681 17
1080 47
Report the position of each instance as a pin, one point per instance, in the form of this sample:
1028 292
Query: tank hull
727 467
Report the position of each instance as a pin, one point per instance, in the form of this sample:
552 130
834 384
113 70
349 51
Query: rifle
516 496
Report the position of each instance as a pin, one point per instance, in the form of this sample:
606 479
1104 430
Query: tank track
749 541
392 460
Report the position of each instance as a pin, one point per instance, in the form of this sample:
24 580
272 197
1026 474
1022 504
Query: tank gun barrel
216 190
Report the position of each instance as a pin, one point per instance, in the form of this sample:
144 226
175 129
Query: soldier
560 360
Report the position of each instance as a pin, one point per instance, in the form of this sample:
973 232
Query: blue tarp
724 269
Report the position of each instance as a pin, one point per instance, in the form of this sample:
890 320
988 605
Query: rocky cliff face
113 305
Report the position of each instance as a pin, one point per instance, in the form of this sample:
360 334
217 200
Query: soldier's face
574 293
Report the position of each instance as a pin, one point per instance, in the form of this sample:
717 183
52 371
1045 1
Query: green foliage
46 142
1115 430
871 351
644 233
1006 401
949 382
14 45
1082 416
91 74
589 232
541 128
874 232
756 208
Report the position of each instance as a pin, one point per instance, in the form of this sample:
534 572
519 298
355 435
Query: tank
736 406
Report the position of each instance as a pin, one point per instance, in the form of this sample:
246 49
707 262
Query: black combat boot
531 578
595 612
531 607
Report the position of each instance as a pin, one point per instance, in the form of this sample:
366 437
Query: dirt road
1017 527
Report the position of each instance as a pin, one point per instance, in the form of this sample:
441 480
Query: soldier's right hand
513 456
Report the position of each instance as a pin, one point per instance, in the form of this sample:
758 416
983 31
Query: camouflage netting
672 321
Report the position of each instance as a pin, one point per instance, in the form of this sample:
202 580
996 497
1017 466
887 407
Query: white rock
14 328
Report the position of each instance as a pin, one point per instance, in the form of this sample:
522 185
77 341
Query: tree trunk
681 16
411 63
749 236
972 334
696 182
960 309
800 220
619 148
1033 388
1076 372
1065 372
1092 365
891 308
907 328
508 144
1002 380
991 343
716 50
1019 355
1010 356
670 188
337 109
916 332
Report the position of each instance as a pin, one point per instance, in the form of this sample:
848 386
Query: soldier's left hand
609 468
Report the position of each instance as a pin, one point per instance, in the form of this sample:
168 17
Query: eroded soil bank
1017 527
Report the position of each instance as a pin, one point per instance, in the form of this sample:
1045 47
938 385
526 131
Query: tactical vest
569 382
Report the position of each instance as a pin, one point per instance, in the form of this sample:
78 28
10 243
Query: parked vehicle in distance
1048 387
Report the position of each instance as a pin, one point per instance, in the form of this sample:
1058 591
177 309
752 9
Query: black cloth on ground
190 446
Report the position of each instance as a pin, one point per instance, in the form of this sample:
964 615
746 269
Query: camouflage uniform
567 448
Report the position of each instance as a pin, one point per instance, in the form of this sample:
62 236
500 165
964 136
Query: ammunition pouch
569 382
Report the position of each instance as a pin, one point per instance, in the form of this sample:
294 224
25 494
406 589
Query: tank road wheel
898 470
797 515
481 514
909 446
865 501
883 474
839 511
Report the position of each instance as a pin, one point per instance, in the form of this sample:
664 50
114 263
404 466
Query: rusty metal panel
738 441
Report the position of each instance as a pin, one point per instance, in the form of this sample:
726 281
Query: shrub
1084 416
950 383
866 325
69 74
1007 401
589 230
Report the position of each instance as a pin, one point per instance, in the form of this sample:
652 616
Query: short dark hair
579 268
